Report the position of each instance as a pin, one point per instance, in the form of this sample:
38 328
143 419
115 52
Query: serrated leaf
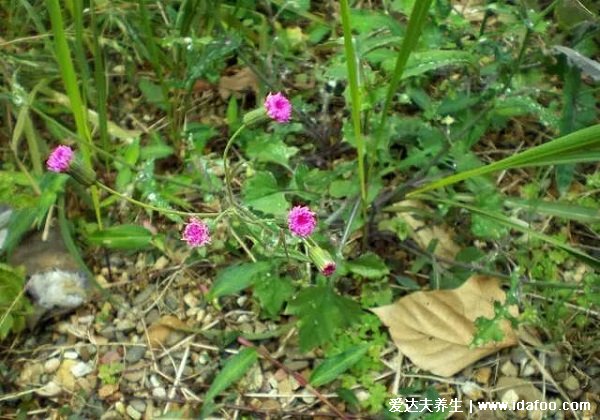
334 366
368 265
321 312
125 237
237 277
235 367
262 193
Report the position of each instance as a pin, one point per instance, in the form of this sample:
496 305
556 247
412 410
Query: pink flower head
278 107
196 233
60 159
301 221
328 269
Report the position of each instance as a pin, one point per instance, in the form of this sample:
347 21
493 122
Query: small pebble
571 383
133 413
71 355
508 369
51 365
154 381
81 369
139 405
159 392
135 354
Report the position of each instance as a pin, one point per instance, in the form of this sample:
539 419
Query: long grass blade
580 141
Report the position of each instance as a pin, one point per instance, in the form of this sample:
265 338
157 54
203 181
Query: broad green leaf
153 93
272 293
368 265
262 193
126 237
579 141
334 366
268 149
320 313
237 277
234 369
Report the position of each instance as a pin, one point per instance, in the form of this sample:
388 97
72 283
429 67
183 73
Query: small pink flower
301 221
278 107
60 159
196 233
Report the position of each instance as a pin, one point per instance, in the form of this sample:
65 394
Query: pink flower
328 269
278 107
60 159
196 233
301 221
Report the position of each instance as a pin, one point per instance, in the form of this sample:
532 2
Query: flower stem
151 207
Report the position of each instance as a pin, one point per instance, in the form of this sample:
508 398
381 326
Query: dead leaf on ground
434 329
242 81
159 331
424 232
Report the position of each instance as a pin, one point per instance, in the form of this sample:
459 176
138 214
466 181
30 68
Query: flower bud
256 116
322 259
81 173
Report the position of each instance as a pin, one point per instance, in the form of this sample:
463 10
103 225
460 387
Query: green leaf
423 62
579 141
126 237
13 305
272 293
234 369
514 106
368 265
153 93
321 312
262 193
237 277
268 149
334 366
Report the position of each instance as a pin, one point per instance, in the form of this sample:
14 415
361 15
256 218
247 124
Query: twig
299 378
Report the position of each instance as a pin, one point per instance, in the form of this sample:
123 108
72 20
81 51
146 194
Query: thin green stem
351 61
226 168
151 207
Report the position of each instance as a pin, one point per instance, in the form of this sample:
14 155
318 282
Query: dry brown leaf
423 233
160 330
434 329
242 81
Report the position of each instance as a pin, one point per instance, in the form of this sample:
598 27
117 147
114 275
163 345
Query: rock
483 375
81 369
529 369
159 392
296 365
510 397
71 355
154 381
31 374
124 325
51 365
135 353
190 300
472 390
135 372
64 377
51 389
120 407
143 296
557 363
139 405
133 413
171 301
571 383
508 369
107 390
518 356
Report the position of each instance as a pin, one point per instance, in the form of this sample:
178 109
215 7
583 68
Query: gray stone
159 392
139 405
135 353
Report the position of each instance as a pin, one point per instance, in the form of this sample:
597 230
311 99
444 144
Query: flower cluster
302 221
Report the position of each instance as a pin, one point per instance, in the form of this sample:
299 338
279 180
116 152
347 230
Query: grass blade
579 141
351 61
